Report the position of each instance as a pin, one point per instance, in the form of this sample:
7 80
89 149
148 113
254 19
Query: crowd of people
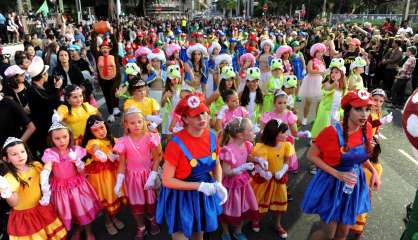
210 119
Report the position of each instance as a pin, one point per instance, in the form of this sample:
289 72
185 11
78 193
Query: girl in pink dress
282 113
311 89
241 204
231 110
139 157
72 195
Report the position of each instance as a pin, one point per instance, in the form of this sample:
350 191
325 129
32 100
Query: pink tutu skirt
75 200
311 87
139 199
241 204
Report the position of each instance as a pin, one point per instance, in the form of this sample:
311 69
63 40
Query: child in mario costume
190 199
339 152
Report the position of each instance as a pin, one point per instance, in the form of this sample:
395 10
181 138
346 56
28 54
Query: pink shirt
287 117
237 112
137 152
62 166
235 155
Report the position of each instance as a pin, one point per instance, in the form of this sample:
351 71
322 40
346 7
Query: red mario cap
192 105
359 98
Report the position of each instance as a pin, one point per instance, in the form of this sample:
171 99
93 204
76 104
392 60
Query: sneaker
116 111
111 230
225 236
239 236
313 170
304 121
118 223
154 227
282 233
140 233
111 118
255 226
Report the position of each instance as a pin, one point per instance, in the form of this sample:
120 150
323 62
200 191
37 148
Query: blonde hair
126 129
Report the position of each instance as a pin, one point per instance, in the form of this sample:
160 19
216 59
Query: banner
43 9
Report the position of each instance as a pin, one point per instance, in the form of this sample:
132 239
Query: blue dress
297 66
189 211
325 197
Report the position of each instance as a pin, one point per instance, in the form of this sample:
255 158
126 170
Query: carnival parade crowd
209 115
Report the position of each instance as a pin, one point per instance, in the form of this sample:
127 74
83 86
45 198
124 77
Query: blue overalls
324 195
189 211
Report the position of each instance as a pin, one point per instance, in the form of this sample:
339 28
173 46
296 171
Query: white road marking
409 157
382 136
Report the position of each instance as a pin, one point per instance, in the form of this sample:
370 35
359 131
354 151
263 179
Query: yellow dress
149 106
29 220
77 120
102 176
272 195
361 219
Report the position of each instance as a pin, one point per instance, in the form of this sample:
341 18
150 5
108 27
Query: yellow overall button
193 162
214 156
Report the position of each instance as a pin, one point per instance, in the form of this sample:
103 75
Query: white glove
207 188
113 157
154 118
177 129
119 181
335 106
264 174
55 117
44 179
72 155
100 155
46 197
5 190
152 126
256 128
387 119
279 174
79 164
304 134
221 192
221 112
263 162
244 167
152 181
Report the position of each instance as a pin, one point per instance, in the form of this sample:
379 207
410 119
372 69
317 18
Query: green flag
43 9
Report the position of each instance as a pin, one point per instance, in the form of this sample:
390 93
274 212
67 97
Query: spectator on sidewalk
405 75
3 30
391 61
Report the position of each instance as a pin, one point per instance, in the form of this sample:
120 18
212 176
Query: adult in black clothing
415 72
70 73
14 122
43 99
15 87
351 54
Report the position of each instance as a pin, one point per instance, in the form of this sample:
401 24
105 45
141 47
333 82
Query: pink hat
245 57
142 51
13 71
356 42
282 50
171 49
317 47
